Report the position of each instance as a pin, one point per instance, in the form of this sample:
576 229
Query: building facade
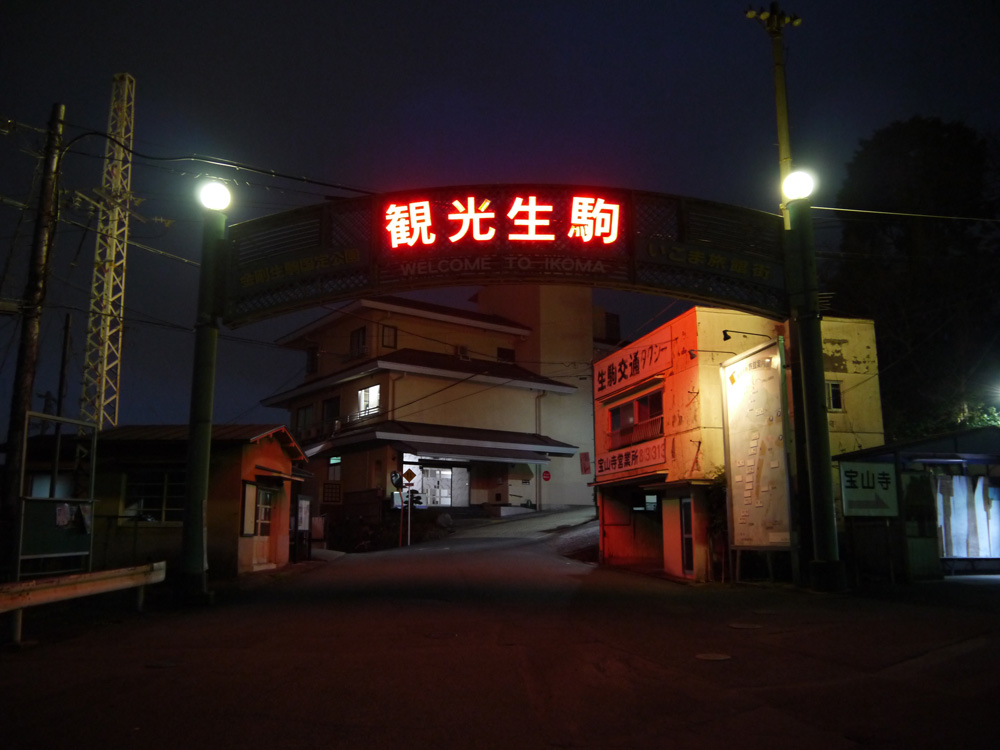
469 408
660 435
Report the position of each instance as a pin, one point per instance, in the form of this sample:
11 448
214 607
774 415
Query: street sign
868 489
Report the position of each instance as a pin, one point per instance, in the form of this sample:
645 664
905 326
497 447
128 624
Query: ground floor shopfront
677 528
360 476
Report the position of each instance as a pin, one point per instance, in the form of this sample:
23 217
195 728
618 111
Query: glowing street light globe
214 196
798 185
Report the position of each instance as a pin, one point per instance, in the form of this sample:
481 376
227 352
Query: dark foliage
925 277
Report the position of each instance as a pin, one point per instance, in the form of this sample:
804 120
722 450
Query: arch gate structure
493 234
490 234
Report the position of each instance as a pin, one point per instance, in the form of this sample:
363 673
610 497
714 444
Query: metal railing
639 432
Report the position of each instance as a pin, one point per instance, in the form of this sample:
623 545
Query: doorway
437 486
262 526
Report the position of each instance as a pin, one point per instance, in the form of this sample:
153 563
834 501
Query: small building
140 494
923 508
660 435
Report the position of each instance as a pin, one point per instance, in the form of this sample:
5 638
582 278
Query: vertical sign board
755 419
624 369
868 489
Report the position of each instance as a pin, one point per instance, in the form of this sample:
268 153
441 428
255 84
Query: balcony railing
364 414
639 432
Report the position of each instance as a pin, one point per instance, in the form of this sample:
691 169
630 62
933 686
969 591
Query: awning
472 453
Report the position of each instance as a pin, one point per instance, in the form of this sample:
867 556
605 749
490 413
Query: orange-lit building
660 427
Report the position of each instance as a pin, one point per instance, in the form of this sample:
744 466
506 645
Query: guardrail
15 597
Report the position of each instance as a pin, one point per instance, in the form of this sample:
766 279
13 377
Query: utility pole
811 426
774 21
31 320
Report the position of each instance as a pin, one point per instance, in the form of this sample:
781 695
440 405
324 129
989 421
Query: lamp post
826 570
214 196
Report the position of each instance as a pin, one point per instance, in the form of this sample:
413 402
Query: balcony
639 432
357 416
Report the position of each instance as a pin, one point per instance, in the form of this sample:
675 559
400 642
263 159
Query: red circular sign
546 476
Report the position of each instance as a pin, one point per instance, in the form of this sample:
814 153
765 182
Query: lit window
368 400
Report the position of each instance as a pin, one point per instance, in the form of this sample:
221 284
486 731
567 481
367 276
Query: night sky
663 95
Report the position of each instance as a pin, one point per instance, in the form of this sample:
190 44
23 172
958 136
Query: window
331 411
834 396
389 337
359 344
155 495
368 400
304 417
636 421
312 360
333 472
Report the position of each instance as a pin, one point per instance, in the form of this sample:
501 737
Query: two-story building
661 429
479 407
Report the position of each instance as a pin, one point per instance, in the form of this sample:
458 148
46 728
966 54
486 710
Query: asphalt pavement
495 638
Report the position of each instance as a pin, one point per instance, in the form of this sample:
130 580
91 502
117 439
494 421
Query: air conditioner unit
462 352
336 426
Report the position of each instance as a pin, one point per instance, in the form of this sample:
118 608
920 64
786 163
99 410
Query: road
493 638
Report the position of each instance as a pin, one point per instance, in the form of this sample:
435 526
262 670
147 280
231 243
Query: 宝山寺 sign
868 489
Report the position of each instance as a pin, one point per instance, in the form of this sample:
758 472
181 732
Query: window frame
170 476
834 394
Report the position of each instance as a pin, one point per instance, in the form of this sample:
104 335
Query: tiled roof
430 363
449 438
233 433
405 306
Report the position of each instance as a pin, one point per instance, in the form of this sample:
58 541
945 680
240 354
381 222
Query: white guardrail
15 597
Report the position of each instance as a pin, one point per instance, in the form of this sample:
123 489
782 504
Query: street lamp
214 196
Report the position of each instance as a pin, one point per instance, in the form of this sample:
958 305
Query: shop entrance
437 486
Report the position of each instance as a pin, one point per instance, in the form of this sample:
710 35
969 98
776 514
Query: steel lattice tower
102 356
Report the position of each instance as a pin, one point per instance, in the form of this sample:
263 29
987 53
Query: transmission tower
102 357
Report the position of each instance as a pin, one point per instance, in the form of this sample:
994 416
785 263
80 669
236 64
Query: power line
902 213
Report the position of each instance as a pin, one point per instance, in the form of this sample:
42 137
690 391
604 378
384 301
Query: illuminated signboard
754 423
534 233
488 234
528 220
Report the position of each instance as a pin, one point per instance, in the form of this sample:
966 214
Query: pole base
828 575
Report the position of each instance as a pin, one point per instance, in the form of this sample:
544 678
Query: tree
924 276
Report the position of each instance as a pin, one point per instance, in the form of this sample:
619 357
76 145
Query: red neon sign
591 218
